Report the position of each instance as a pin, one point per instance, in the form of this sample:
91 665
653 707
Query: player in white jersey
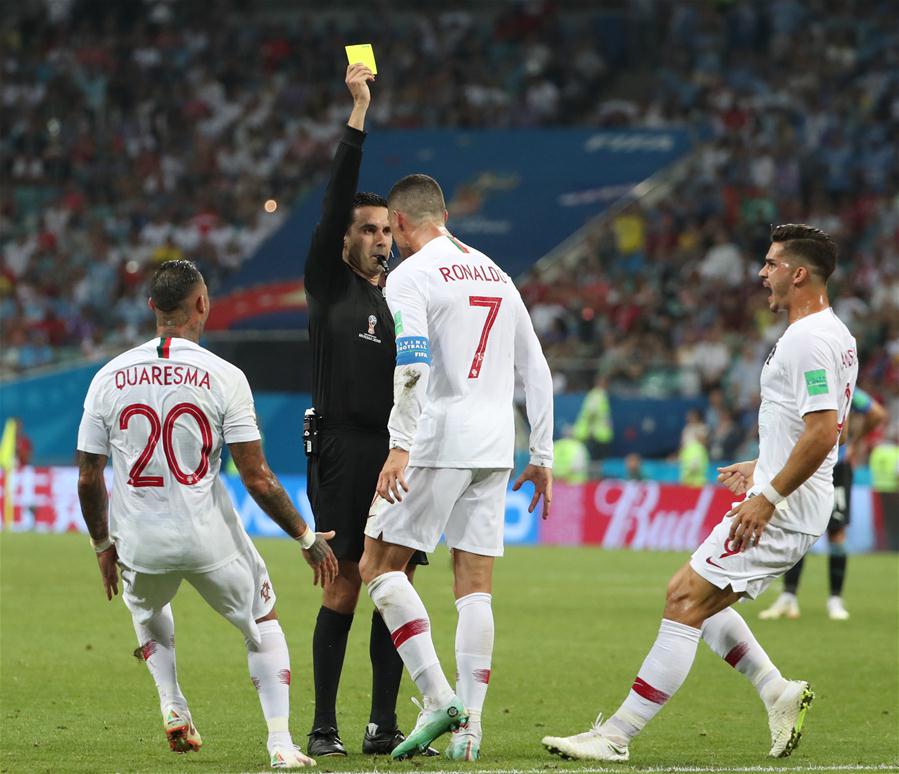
163 412
462 332
807 385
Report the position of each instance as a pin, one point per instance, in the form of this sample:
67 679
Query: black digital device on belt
311 427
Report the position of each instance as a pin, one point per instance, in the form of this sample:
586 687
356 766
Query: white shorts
752 570
467 506
239 590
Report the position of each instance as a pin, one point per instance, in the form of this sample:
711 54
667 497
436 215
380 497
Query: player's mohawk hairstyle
811 245
172 283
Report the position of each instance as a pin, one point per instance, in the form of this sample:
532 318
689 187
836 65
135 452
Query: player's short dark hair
811 245
366 199
172 283
419 196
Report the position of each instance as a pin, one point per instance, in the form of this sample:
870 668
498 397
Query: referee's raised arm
323 272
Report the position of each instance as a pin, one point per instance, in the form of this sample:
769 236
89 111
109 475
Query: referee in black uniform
353 357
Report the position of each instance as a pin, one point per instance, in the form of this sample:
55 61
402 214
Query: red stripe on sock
482 675
736 654
410 629
644 689
148 649
284 676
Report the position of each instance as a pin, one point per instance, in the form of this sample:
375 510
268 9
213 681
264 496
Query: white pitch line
621 769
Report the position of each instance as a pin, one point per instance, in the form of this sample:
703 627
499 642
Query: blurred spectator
694 428
725 438
571 460
884 464
132 133
633 464
24 447
693 457
594 422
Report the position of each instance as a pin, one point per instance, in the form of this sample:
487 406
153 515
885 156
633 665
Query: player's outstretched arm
531 365
407 299
323 270
358 77
737 477
95 509
266 490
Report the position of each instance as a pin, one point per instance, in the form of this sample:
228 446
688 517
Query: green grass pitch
572 624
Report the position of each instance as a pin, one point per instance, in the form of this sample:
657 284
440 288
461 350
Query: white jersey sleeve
407 299
531 365
814 375
93 433
239 424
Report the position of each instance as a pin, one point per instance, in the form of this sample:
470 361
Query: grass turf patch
572 627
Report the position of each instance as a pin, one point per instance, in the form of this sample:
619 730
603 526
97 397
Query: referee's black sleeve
324 273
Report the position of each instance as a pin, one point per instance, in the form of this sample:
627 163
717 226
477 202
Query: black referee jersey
350 327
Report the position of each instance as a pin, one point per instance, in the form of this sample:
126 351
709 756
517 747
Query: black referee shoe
381 742
324 742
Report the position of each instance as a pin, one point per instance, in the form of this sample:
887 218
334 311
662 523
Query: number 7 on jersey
492 303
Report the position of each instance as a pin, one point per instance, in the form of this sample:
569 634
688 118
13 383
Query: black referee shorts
341 482
842 496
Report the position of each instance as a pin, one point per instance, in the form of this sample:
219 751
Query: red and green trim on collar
162 349
457 244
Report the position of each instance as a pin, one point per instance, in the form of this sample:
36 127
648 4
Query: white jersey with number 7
163 411
456 310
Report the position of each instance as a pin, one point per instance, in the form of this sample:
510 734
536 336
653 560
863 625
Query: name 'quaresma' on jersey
813 367
162 411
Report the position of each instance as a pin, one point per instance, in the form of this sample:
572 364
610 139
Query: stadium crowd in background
137 133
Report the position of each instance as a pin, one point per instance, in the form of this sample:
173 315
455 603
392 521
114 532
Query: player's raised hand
321 559
358 77
109 571
392 479
750 519
737 477
542 479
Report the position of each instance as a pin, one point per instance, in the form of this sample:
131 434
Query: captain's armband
413 349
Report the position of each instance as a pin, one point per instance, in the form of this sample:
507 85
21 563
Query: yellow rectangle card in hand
362 54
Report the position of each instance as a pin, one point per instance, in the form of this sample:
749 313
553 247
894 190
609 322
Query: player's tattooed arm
266 490
92 494
264 487
95 509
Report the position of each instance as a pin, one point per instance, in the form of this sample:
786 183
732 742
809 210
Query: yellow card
362 54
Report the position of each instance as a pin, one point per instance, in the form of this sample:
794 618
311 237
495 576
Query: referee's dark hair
366 199
811 245
172 283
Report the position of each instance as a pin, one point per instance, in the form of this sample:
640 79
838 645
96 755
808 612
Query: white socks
270 672
474 651
727 634
663 671
409 626
157 644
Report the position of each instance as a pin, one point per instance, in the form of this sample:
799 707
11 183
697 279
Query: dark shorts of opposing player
341 483
842 497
